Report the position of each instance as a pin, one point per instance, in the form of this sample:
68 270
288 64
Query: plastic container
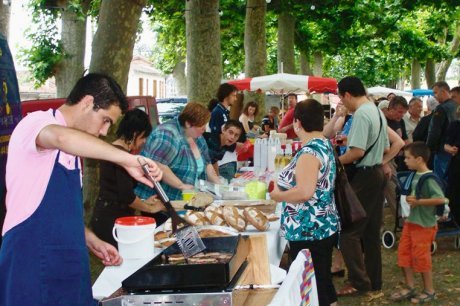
187 195
134 236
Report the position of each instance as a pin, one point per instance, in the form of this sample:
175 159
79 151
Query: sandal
348 290
404 294
424 297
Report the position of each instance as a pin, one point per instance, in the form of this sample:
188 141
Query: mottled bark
204 64
5 10
286 28
255 48
430 72
317 64
453 50
73 38
181 80
305 68
112 52
415 74
113 43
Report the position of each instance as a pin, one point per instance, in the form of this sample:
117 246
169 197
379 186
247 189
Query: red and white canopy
286 83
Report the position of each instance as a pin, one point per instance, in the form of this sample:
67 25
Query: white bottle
256 157
271 154
263 155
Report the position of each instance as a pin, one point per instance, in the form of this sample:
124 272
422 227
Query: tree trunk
73 38
181 80
305 68
255 48
112 52
113 43
286 57
318 64
430 72
204 63
453 50
254 39
5 10
415 74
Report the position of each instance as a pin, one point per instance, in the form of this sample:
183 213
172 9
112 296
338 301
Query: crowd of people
44 233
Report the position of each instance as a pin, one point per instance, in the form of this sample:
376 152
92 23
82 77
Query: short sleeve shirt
167 145
316 218
424 215
28 168
288 119
364 131
219 116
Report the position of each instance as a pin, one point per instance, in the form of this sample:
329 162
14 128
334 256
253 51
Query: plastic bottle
256 157
271 155
288 153
263 155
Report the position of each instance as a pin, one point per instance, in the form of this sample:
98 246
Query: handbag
348 205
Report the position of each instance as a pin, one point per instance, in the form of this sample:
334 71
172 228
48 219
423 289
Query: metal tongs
187 237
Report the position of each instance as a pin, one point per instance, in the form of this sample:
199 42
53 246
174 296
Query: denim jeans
441 165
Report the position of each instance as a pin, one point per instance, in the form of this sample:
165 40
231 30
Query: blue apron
44 260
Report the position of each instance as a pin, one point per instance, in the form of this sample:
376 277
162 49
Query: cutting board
258 270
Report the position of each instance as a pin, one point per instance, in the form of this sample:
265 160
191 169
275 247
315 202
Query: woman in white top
250 111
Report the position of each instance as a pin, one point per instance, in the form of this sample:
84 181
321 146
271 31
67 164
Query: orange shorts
414 249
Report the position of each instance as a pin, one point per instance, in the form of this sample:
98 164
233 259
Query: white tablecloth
111 277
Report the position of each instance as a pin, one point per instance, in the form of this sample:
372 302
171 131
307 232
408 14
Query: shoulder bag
348 205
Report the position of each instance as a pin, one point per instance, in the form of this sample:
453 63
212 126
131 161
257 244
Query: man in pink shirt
44 257
286 125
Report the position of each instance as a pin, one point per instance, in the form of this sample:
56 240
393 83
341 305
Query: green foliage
46 51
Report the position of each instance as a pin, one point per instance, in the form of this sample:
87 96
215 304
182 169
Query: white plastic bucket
135 237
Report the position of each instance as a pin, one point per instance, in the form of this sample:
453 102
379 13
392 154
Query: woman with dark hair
309 219
181 152
247 117
116 191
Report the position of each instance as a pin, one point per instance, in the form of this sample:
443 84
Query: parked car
169 108
146 103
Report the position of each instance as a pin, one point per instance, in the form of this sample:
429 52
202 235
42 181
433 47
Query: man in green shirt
367 141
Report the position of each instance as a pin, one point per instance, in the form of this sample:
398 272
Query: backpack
405 183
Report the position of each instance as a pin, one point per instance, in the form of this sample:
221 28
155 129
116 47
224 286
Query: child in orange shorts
419 230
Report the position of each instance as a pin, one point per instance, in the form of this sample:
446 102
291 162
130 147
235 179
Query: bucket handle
114 234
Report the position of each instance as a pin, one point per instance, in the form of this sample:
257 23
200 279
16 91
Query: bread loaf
196 217
256 218
234 218
162 235
215 216
201 199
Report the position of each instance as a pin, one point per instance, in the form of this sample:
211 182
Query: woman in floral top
306 188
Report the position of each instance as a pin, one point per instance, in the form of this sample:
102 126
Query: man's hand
134 168
387 170
103 250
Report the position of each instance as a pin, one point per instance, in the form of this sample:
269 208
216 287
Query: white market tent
380 91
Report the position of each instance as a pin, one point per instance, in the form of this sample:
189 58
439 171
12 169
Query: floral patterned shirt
316 218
